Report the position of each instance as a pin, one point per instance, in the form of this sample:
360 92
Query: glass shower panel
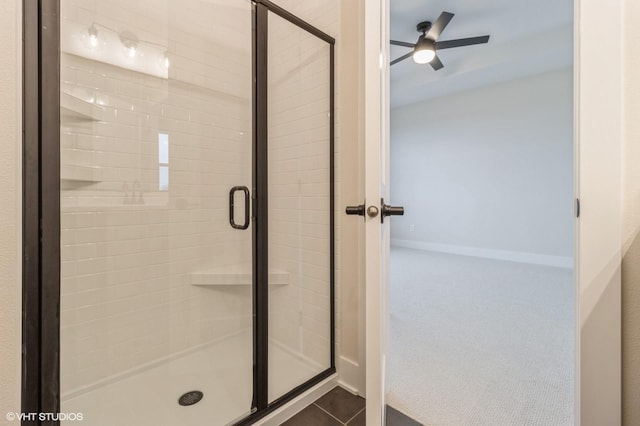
156 128
299 154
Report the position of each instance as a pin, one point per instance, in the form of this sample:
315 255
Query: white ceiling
527 37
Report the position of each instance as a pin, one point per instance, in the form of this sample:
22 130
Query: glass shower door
156 288
299 139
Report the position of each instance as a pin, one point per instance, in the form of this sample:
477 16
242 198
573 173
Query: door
156 149
597 106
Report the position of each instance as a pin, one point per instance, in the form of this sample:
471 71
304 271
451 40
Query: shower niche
174 288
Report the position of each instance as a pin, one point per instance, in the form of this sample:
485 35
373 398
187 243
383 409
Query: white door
376 177
598 136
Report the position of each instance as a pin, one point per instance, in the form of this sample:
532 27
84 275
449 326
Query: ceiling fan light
423 56
425 51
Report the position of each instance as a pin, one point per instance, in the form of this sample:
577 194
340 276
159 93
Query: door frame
40 194
597 118
40 388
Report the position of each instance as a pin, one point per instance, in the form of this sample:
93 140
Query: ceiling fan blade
402 43
401 58
448 44
436 64
439 26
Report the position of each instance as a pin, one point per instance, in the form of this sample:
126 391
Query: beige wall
631 220
10 286
351 190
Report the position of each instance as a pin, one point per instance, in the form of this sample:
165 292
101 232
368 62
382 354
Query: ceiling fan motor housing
423 26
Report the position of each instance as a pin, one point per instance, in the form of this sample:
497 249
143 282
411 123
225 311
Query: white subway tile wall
128 248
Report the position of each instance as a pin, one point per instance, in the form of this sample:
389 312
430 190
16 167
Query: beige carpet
480 342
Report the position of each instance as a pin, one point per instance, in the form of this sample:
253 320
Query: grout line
337 419
356 415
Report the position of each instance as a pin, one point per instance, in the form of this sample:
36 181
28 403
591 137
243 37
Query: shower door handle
233 224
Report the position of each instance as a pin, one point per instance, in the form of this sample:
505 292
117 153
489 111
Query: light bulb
425 50
423 56
130 43
91 38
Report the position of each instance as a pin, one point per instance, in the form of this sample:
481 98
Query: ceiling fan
424 50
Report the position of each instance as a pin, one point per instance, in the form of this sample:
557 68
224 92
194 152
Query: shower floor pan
222 371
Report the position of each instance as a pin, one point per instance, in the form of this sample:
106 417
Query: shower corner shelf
79 174
73 109
231 277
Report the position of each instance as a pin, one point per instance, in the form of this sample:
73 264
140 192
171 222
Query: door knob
355 210
361 209
388 210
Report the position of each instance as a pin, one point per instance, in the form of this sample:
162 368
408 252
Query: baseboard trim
350 376
511 256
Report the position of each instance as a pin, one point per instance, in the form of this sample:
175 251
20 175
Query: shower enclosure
195 232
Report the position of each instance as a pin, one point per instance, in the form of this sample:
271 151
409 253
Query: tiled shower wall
129 249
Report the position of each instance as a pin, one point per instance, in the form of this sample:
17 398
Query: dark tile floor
339 408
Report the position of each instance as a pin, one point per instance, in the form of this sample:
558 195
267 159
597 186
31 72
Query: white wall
488 171
10 202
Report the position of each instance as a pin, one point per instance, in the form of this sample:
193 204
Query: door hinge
577 207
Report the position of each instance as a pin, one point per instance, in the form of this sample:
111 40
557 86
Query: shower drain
190 398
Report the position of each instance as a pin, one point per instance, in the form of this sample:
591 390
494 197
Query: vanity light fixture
130 43
166 62
93 36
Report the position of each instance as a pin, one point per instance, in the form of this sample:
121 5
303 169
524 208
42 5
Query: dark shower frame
41 210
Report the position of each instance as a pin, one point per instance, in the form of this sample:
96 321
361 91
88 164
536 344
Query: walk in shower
196 210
